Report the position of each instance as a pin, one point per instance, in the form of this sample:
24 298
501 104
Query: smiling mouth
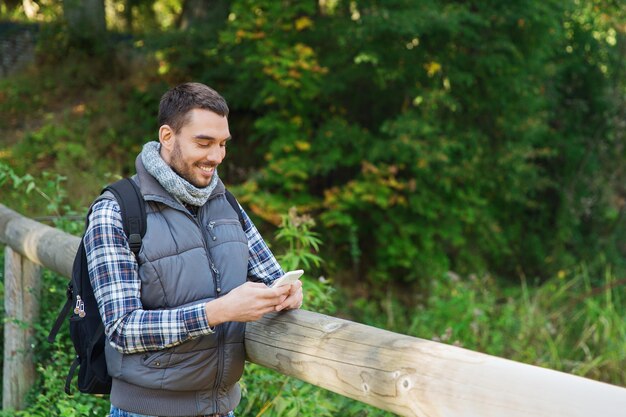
206 169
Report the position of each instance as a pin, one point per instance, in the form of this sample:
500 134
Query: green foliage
49 188
474 136
301 248
79 121
427 136
2 304
301 241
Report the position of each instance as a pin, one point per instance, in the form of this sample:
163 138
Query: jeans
116 412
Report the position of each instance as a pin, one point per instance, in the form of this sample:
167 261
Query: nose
216 154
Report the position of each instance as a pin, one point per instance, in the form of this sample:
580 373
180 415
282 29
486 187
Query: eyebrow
207 137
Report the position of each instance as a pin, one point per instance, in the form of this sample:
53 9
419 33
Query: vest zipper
220 366
220 331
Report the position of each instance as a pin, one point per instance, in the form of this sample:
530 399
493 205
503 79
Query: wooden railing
405 375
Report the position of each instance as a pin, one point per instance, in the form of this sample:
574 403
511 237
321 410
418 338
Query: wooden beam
416 377
22 287
38 242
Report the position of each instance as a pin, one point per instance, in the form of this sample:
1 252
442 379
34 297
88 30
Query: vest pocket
157 360
167 370
224 231
191 371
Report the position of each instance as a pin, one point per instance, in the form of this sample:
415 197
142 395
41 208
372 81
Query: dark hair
180 100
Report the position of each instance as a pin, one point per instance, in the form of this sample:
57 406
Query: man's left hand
294 298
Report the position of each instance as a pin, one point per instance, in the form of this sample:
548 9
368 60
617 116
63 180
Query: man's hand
248 302
294 298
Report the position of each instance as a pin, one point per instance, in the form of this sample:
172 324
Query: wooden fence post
22 288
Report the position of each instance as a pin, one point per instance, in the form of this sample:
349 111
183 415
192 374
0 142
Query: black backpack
86 327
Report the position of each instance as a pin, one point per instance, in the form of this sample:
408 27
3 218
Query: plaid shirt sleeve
262 265
117 287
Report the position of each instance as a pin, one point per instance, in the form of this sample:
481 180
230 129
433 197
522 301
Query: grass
575 322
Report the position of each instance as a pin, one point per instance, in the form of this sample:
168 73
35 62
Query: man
175 317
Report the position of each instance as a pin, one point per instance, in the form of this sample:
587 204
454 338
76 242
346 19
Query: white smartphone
288 278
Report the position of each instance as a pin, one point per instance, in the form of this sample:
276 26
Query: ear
166 137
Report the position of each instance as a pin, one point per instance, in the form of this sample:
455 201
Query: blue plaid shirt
117 286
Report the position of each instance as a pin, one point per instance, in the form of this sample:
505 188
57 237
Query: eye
223 144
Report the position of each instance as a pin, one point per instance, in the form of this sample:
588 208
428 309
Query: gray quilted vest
185 260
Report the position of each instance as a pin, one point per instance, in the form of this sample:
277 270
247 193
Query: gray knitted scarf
174 184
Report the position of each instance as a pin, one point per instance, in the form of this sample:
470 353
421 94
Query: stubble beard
183 170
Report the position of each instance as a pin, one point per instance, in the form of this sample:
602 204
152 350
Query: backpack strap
78 362
70 376
233 203
65 311
133 209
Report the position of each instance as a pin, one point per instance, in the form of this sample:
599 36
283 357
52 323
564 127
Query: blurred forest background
455 168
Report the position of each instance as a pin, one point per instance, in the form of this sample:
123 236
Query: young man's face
198 148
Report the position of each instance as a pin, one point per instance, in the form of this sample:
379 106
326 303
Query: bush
424 137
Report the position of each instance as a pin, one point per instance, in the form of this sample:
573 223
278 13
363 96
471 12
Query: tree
86 22
204 12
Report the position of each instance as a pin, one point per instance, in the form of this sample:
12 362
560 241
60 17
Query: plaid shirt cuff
196 321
